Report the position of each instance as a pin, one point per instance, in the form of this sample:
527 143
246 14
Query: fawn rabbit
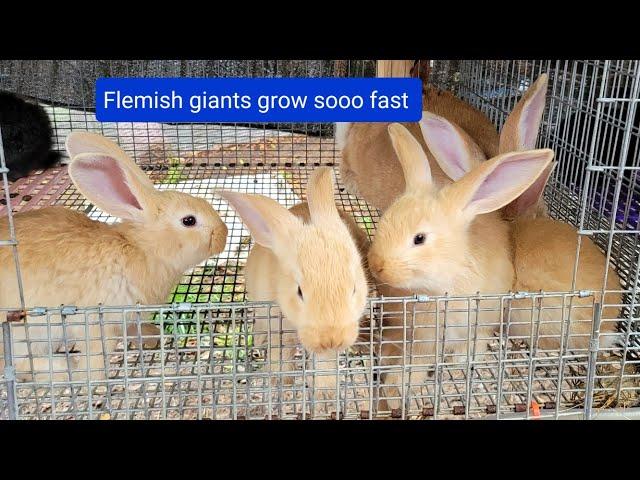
309 260
67 258
544 252
545 249
450 240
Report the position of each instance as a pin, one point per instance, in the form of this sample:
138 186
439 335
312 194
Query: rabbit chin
329 339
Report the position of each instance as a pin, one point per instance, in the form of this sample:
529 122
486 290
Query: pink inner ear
530 120
503 179
260 230
102 176
531 195
446 143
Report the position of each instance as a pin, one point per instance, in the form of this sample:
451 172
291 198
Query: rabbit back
50 242
544 259
369 167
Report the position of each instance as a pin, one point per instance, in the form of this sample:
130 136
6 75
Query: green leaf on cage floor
286 175
182 328
368 224
175 174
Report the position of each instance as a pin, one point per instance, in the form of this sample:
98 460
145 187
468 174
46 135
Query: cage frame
520 71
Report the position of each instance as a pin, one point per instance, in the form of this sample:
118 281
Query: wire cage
216 355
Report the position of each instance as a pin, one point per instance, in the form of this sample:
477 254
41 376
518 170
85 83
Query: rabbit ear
456 153
267 220
414 161
320 188
532 196
497 181
86 142
520 130
107 183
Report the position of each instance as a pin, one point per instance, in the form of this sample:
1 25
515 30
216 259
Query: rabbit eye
419 239
300 293
189 221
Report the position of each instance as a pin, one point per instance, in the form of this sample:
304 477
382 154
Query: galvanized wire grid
203 363
218 370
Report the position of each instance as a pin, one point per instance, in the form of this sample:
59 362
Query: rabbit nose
327 342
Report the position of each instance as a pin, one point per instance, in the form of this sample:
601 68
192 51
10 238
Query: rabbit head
423 241
321 285
183 229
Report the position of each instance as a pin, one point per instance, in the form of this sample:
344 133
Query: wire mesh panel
224 367
204 357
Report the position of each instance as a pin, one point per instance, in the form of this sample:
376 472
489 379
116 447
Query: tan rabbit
544 249
450 240
369 167
307 260
67 258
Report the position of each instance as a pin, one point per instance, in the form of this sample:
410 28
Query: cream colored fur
316 247
66 258
467 248
544 258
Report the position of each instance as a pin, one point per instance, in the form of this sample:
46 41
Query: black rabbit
26 136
